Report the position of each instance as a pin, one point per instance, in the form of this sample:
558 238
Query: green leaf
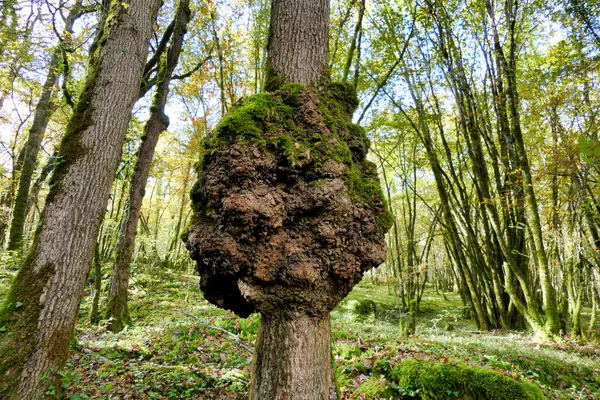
18 304
3 329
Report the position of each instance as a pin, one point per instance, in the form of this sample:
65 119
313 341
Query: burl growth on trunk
288 211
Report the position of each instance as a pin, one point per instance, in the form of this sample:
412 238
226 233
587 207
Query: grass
168 354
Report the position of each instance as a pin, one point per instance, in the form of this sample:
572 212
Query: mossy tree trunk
41 307
507 62
30 152
175 242
117 310
42 114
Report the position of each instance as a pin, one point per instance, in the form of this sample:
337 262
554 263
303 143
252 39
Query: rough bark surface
42 304
286 223
297 47
299 367
117 311
289 213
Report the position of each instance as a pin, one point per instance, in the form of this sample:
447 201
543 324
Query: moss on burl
288 211
268 121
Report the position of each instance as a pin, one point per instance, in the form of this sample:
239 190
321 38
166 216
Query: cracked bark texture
297 46
41 307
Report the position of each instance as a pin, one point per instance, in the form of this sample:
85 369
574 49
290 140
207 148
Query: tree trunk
117 310
97 264
292 359
43 111
355 40
42 305
174 246
30 152
293 355
297 47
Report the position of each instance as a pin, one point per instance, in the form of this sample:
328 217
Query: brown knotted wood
288 211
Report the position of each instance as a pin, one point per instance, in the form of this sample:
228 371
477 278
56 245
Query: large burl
288 212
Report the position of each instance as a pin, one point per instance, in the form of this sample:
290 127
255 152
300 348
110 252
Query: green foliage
590 150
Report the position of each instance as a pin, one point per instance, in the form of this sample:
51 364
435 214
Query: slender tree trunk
39 182
117 310
221 74
95 313
180 218
43 111
355 40
30 152
292 359
594 309
42 305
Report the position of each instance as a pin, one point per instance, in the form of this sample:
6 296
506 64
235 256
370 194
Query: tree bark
30 152
97 264
292 359
293 353
42 305
117 311
297 46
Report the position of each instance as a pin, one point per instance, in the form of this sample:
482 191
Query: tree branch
236 338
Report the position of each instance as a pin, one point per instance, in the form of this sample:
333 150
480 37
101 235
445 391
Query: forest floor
181 347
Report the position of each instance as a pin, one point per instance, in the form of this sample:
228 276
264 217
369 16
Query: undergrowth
169 354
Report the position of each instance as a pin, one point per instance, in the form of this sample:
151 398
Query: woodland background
483 121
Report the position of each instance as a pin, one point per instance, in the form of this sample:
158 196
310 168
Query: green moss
71 148
435 380
18 320
373 389
343 95
273 79
280 123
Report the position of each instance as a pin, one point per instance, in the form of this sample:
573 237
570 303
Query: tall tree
43 111
41 307
292 358
117 311
288 212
